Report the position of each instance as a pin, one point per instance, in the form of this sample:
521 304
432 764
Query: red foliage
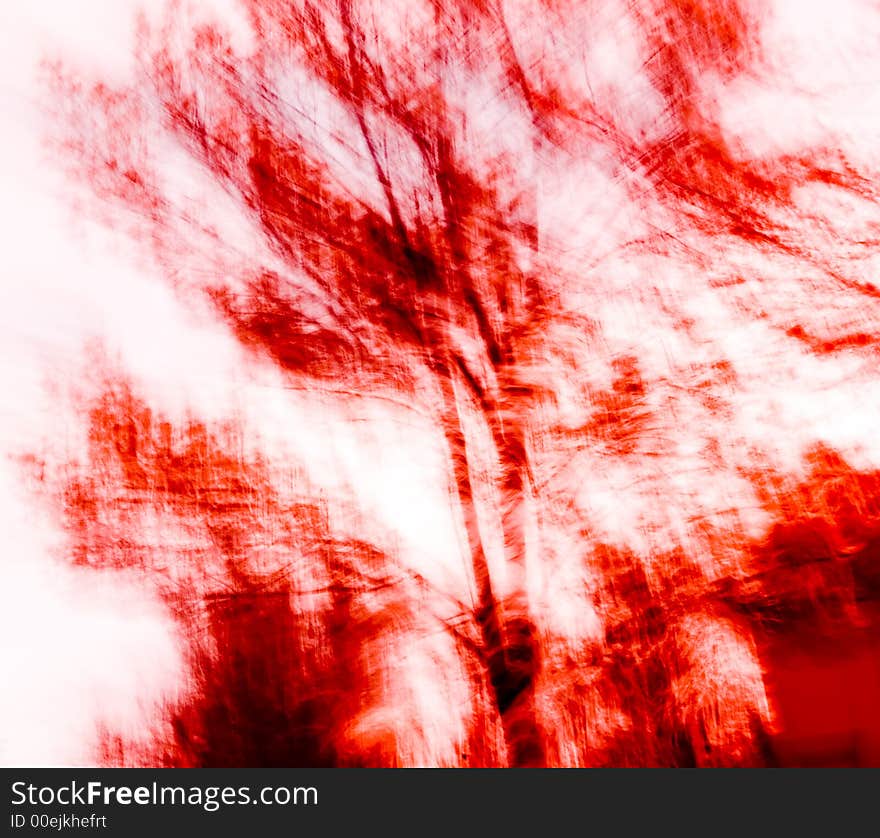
403 254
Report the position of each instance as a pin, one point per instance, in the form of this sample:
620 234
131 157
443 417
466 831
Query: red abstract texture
565 264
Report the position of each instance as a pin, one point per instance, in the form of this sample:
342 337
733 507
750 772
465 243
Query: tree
402 255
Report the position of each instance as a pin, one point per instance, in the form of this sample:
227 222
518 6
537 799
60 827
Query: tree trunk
509 649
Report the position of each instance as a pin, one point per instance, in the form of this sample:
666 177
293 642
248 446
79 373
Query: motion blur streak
480 383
